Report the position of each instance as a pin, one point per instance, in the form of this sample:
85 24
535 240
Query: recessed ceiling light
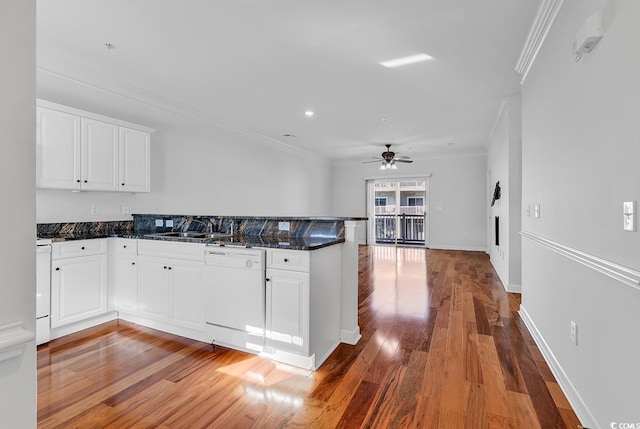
308 113
109 46
289 135
406 60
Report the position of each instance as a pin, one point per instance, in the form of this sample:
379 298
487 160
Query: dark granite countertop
273 242
283 218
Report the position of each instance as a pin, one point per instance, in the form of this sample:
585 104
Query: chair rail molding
542 23
617 272
13 338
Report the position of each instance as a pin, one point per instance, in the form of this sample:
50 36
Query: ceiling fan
389 159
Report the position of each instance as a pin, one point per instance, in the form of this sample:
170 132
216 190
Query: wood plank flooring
442 347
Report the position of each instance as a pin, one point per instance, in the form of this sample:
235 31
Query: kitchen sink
190 234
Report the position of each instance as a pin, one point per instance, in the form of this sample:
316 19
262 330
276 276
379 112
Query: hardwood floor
442 347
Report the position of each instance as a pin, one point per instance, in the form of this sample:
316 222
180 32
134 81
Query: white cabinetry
79 150
170 283
57 150
99 156
78 281
134 148
126 276
287 311
303 291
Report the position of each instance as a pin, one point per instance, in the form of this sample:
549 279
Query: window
381 201
415 201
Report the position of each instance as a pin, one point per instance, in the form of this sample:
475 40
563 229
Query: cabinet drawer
172 249
294 260
72 249
126 246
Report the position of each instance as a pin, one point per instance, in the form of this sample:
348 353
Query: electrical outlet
124 209
168 223
284 226
95 211
574 332
159 222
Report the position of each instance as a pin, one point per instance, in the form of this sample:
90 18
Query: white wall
196 167
581 146
17 183
456 196
504 164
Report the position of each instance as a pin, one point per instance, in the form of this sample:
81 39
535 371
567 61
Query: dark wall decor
496 193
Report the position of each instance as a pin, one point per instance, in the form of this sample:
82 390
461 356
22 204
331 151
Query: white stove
43 289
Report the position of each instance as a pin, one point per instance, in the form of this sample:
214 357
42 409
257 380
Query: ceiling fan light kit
388 159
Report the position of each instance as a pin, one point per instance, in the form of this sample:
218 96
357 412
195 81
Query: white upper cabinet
134 160
78 150
99 155
57 150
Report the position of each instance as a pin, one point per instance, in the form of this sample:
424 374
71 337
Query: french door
397 211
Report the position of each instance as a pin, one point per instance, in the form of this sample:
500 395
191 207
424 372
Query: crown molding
85 77
542 23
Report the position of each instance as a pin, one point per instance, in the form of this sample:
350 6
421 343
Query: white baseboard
513 288
465 248
61 331
350 336
579 407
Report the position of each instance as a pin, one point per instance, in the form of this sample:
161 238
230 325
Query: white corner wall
504 165
580 151
17 185
456 196
197 166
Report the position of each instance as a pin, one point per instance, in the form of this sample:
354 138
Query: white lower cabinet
185 289
153 288
303 291
170 289
78 283
126 283
287 311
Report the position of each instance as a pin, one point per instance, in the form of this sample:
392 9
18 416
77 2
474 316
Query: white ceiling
257 65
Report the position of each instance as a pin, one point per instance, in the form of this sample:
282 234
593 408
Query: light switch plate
536 211
284 226
629 216
95 211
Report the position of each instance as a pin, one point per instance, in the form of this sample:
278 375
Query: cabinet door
185 279
57 150
134 161
126 283
287 312
153 288
99 150
78 289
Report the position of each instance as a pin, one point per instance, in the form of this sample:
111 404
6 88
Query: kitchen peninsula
281 287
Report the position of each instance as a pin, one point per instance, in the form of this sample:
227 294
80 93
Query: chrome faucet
231 227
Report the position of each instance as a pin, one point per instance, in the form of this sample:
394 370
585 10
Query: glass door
397 211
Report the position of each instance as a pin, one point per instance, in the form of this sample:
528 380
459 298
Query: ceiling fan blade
402 157
408 161
369 162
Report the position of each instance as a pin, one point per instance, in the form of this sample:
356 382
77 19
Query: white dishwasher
234 296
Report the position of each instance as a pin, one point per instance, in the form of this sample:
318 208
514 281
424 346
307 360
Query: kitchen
201 162
255 115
